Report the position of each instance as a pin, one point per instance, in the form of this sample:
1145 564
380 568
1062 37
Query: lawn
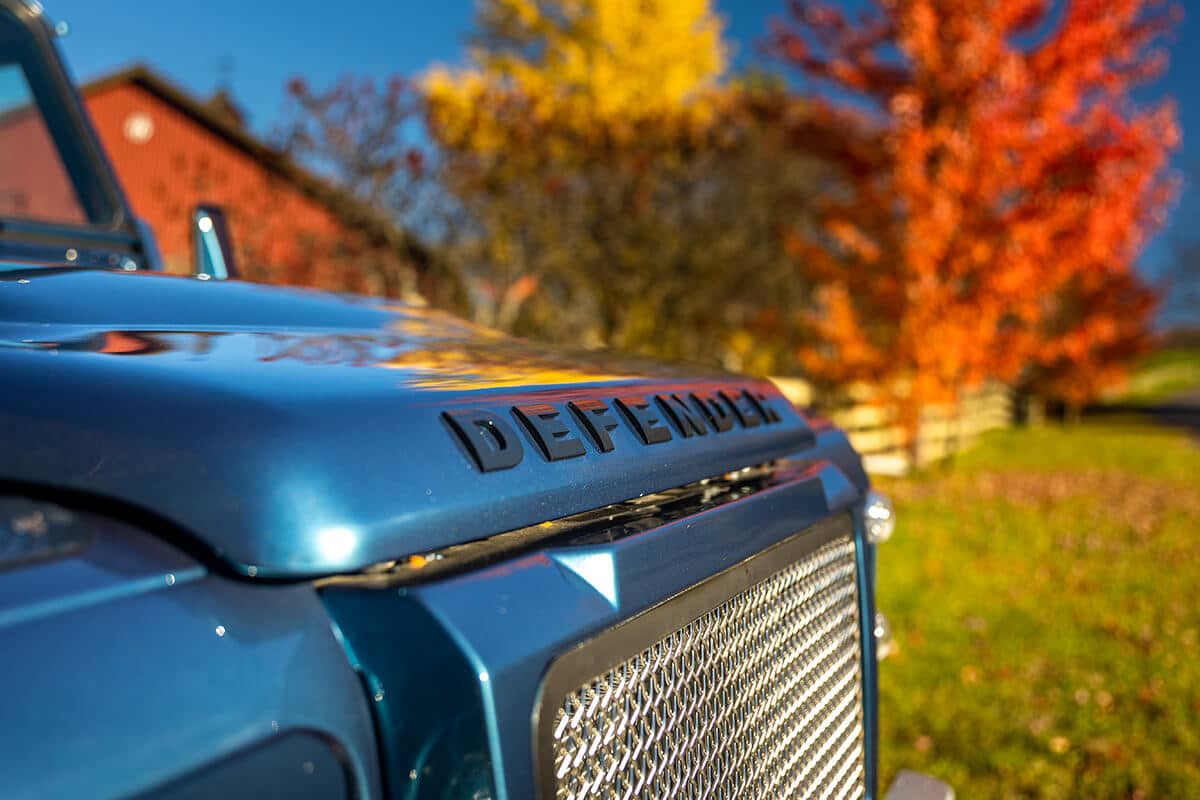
1045 594
1163 374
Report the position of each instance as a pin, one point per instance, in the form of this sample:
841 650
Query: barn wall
168 163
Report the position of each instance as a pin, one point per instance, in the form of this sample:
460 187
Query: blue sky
255 47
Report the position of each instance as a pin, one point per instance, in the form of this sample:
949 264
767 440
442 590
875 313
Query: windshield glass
34 184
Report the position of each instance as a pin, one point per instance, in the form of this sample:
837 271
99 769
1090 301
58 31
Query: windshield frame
110 227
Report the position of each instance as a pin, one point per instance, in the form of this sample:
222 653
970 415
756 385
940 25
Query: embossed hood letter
491 441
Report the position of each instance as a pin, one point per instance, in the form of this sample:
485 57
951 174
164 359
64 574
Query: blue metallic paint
285 767
116 562
127 665
870 666
322 447
293 390
251 422
424 693
513 618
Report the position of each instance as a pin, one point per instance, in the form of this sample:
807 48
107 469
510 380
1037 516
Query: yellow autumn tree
582 60
618 188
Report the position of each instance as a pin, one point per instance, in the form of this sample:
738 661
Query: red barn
173 152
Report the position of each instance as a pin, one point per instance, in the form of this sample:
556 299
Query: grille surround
748 684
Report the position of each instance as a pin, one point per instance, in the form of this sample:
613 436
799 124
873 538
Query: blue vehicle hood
294 433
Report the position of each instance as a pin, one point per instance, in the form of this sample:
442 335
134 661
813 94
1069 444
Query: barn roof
347 208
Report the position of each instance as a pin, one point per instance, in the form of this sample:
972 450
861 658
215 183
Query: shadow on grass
1181 411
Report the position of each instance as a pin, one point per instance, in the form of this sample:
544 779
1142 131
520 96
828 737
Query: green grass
1163 374
1045 594
1169 356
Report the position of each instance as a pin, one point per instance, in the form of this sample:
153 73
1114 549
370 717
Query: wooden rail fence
887 448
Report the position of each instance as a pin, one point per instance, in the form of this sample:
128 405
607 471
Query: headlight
879 517
32 531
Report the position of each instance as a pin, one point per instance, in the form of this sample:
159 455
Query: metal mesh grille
758 698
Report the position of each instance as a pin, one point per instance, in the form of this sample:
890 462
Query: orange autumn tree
1098 328
1018 182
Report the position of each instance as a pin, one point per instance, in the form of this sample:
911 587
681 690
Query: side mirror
212 245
